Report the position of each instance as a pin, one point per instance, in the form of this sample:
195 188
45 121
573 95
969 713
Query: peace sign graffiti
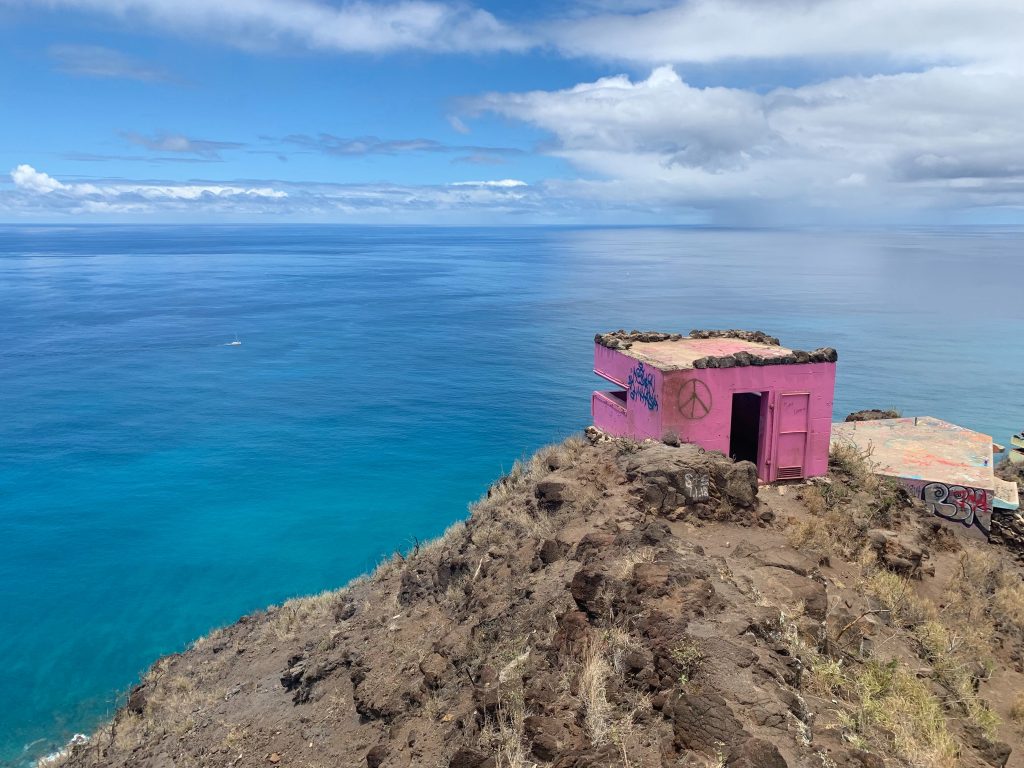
694 399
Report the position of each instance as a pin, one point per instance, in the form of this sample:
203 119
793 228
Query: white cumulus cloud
27 177
947 137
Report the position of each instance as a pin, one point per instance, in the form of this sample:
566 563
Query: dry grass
504 736
899 599
529 524
957 642
825 676
287 620
452 532
503 502
623 568
1017 709
843 509
850 462
890 697
176 704
880 701
593 679
907 707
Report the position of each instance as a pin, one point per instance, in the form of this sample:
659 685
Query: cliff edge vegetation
619 604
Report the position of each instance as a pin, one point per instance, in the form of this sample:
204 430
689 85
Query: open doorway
745 432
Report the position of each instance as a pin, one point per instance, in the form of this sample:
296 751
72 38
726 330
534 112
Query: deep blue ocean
155 483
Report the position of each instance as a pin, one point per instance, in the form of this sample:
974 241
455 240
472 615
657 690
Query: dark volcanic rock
741 484
137 700
755 753
554 491
551 551
469 758
586 589
704 722
872 414
376 756
434 669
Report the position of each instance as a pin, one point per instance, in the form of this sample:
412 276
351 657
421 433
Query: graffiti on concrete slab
641 387
696 487
958 504
694 399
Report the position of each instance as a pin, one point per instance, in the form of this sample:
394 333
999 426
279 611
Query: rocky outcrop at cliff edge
760 337
625 339
618 604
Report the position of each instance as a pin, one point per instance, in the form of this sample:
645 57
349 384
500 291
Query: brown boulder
704 722
591 544
741 484
469 758
651 578
376 756
896 555
781 585
137 700
587 588
755 753
551 551
434 668
554 491
551 736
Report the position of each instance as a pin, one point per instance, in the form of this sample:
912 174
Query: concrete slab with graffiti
947 466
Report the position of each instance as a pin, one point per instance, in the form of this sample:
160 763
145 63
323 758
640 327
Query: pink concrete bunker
738 392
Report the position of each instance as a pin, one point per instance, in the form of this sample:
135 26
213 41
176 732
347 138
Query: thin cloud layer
353 27
361 146
36 193
177 143
708 31
97 61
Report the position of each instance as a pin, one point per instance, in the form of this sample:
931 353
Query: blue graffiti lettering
641 387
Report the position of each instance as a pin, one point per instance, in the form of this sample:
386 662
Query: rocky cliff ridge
620 604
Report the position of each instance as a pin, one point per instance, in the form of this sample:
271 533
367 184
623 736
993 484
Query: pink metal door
791 436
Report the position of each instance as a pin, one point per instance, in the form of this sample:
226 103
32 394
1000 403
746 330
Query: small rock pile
622 339
741 359
759 337
1008 530
872 414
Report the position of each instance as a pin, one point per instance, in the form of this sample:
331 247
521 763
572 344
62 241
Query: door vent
790 473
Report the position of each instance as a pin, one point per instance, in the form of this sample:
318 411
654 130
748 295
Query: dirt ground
616 604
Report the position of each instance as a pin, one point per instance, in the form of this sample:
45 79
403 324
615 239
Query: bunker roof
923 448
708 349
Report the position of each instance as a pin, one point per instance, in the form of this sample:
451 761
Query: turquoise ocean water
155 483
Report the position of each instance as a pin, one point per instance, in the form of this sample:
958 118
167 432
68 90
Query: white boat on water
235 343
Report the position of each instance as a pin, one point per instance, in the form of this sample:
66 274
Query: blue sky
732 112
